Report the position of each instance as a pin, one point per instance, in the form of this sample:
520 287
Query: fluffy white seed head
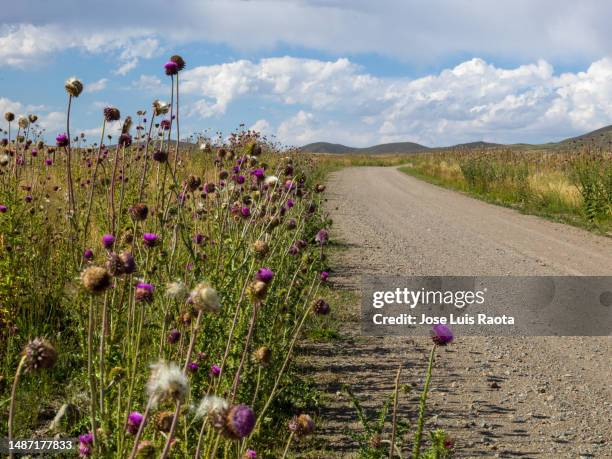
167 382
271 180
176 290
205 297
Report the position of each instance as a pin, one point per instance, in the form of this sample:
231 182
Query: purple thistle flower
193 366
289 185
240 179
442 335
215 370
85 443
324 276
250 454
245 211
144 292
165 124
241 420
49 161
28 198
150 239
171 68
20 160
290 203
198 238
258 173
3 208
62 140
134 421
174 336
264 275
88 254
108 240
321 236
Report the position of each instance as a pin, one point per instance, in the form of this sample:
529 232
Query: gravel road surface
498 396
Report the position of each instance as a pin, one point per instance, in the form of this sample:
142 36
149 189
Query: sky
357 72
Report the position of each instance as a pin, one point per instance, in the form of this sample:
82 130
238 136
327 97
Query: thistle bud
263 355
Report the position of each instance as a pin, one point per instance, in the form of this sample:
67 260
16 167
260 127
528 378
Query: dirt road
498 397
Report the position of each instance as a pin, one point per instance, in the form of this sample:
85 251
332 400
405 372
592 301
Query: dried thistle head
261 248
205 297
127 125
33 118
96 279
111 114
23 122
39 354
74 87
9 116
160 108
167 382
179 61
163 421
263 355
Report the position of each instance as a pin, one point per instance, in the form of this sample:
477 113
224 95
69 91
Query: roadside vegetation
570 186
153 293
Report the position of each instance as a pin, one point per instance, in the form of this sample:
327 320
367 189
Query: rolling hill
600 137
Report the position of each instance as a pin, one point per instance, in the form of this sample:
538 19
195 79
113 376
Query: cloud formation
339 101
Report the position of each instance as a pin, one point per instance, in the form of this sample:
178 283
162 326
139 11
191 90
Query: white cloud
520 30
149 83
96 86
262 126
339 101
127 67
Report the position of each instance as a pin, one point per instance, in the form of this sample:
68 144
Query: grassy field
570 186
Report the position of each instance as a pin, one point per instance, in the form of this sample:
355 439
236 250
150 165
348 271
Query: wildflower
290 203
240 421
442 335
193 366
3 208
111 114
210 188
134 421
117 374
39 354
324 275
271 180
173 336
160 156
258 290
179 61
301 425
176 290
125 139
144 292
167 382
128 262
62 140
193 182
48 161
199 238
8 116
165 124
291 224
150 239
249 454
204 297
215 370
23 122
32 118
263 355
4 159
264 275
160 108
321 307
73 87
108 240
96 279
258 174
214 409
28 198
88 254
163 421
139 211
320 188
85 443
171 68
260 247
245 211
321 236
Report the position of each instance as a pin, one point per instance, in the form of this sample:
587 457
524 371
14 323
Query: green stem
416 450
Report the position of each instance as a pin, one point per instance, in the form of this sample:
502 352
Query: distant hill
599 137
336 148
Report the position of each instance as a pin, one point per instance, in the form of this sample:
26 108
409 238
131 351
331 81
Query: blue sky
356 72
